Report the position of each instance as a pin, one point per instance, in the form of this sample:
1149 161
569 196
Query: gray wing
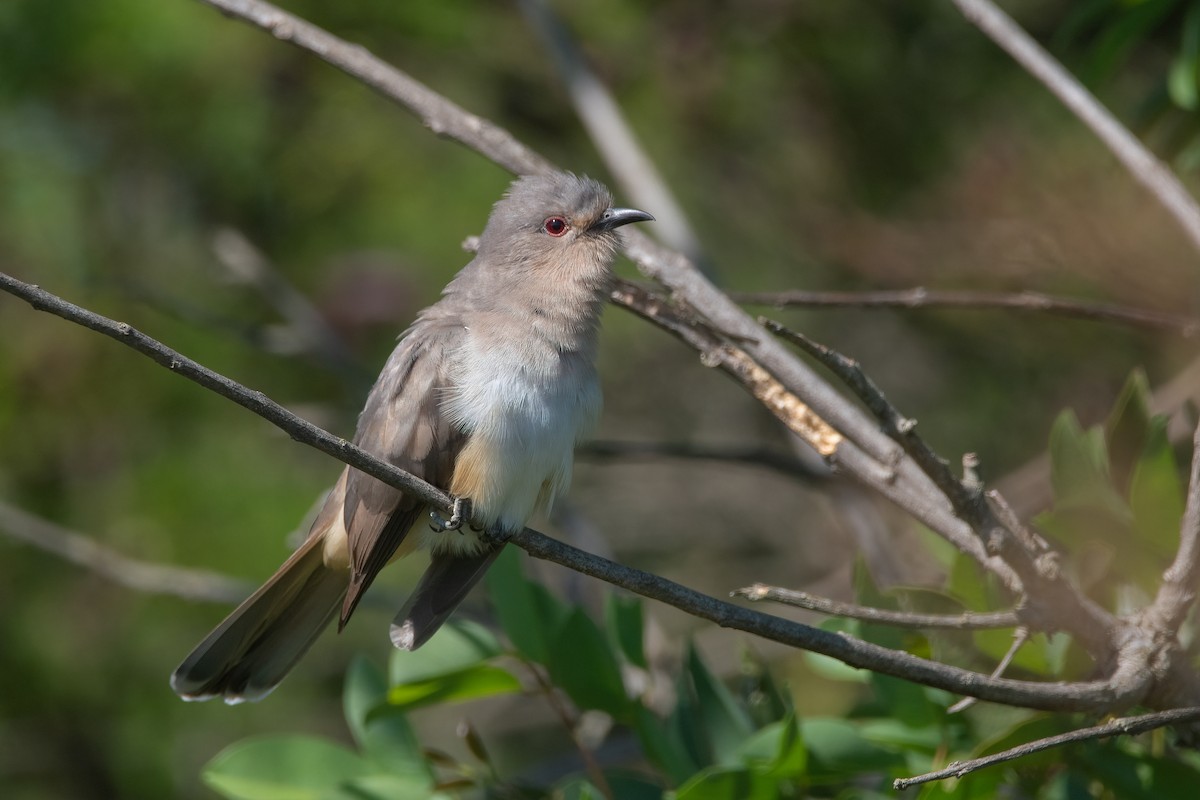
402 423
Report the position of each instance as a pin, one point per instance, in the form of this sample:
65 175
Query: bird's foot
459 513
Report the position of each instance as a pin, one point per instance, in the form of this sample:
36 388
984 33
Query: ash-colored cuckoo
485 396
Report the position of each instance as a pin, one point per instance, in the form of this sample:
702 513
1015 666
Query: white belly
523 409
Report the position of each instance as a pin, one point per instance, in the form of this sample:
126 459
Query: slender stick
1031 302
1020 636
967 621
1147 170
1127 726
140 576
299 429
766 457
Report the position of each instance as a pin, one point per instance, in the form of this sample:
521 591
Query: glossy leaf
663 745
725 723
777 750
282 768
388 739
625 617
837 748
728 783
583 664
481 680
528 613
458 645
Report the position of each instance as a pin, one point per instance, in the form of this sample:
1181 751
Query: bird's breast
522 404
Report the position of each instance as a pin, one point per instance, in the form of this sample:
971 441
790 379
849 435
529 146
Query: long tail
248 654
443 586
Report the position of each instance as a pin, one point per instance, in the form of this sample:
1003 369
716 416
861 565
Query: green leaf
481 680
1156 498
1078 464
633 786
386 787
1185 69
777 750
725 722
583 664
662 742
578 789
458 645
1127 427
625 619
728 783
528 613
838 750
282 768
894 733
365 688
387 740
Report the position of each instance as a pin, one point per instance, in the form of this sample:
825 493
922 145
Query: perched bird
485 397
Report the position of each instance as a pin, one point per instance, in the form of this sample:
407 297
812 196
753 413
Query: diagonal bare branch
1147 170
1117 727
132 573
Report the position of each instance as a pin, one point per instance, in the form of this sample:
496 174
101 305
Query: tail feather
445 583
248 654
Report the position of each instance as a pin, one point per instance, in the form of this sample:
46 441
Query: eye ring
555 226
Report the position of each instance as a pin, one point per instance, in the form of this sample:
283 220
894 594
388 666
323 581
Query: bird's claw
460 512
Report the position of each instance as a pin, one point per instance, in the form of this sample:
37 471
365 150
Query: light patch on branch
799 418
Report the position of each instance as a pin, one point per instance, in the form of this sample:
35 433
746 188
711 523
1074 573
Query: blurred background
268 216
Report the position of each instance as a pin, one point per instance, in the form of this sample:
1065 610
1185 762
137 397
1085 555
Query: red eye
555 226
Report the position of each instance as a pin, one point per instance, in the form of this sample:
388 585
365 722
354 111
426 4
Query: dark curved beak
616 217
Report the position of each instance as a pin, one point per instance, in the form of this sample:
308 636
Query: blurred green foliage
820 144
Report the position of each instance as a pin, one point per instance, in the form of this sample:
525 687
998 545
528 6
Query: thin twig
1128 726
967 621
1090 696
309 330
299 429
141 576
1050 594
570 721
766 457
900 428
1137 159
679 320
439 114
1031 302
1020 636
147 577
